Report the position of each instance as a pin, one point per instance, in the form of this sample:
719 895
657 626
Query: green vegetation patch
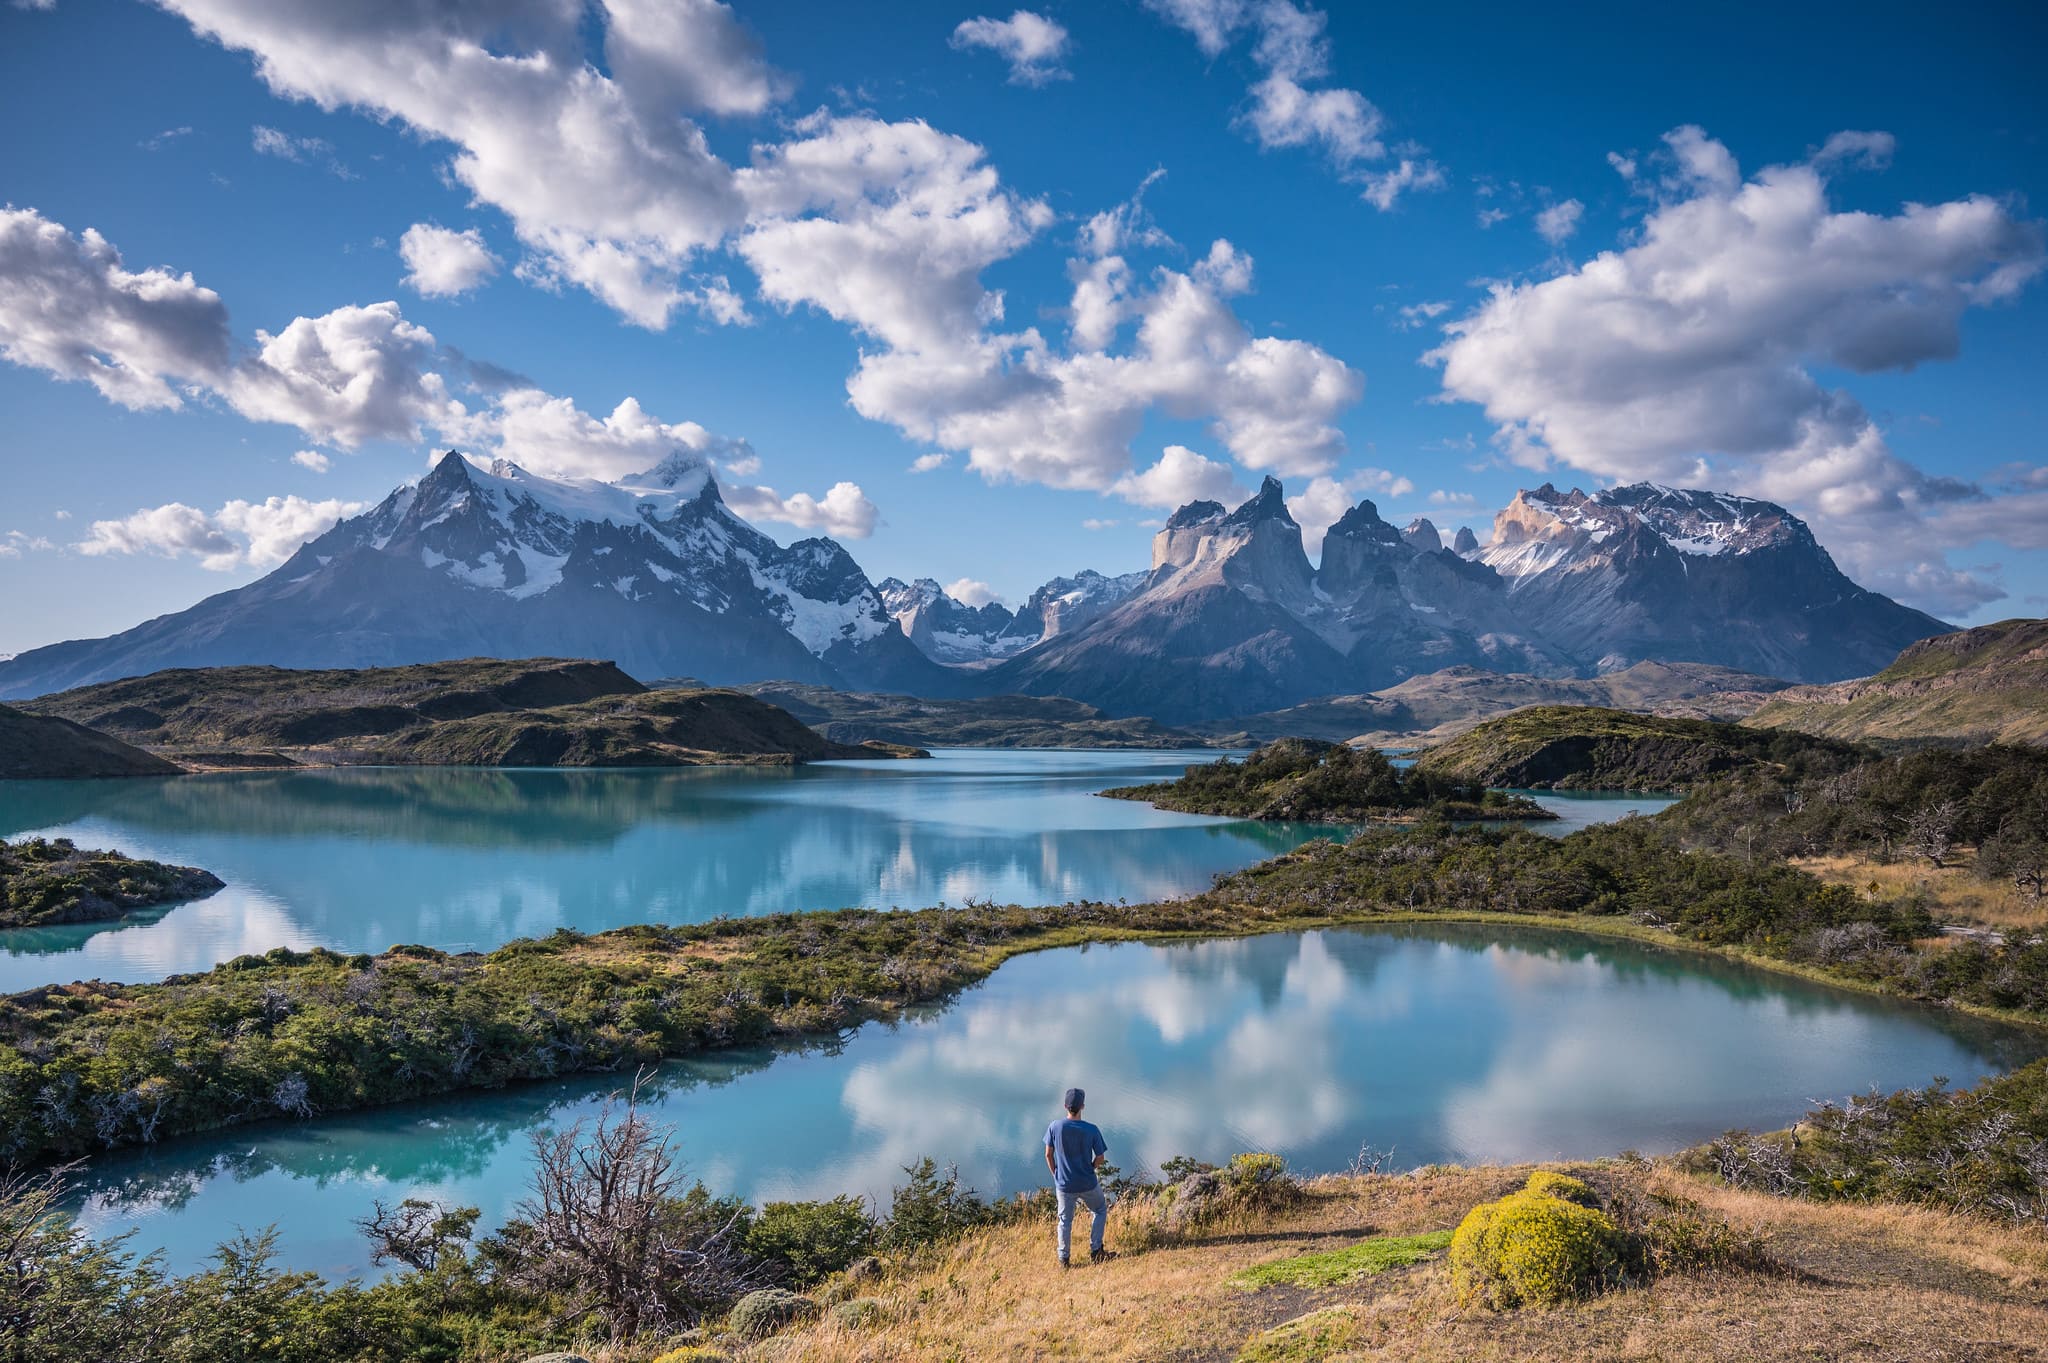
45 882
1309 781
1305 1339
1579 747
1331 1267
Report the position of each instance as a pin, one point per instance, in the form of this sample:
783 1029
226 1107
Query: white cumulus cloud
442 263
314 460
1688 356
1032 44
1181 476
1557 223
253 534
844 510
970 591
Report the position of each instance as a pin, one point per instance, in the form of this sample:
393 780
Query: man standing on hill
1074 1150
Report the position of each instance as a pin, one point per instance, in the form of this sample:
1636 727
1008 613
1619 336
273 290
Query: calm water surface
470 858
1445 1042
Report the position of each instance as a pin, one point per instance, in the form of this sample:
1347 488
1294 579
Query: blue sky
1853 326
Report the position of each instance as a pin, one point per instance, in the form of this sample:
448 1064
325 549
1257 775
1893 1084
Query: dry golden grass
1861 1283
1954 891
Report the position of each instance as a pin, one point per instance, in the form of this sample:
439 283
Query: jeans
1098 1210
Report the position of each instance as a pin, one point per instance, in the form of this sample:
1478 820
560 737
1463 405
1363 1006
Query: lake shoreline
625 960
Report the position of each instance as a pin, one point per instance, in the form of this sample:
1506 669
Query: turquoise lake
466 859
1443 1042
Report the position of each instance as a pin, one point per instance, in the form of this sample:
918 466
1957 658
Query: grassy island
45 882
1306 780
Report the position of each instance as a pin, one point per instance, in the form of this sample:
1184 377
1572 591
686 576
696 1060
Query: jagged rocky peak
1067 603
1422 536
947 629
1259 539
1358 544
1466 544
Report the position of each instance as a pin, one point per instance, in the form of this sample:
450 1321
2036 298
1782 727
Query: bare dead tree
1931 830
610 1234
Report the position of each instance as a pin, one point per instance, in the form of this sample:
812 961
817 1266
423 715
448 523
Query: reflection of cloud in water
1434 1040
459 858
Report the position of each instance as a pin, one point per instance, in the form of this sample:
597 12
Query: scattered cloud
314 460
15 543
1032 44
1100 523
1290 107
1422 314
971 592
1181 476
1686 356
164 138
554 437
844 511
300 150
1457 501
1557 223
350 375
1324 501
443 263
926 463
240 534
70 307
1492 217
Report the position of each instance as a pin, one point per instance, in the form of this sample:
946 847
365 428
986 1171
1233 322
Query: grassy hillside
477 711
1572 747
46 882
1988 684
991 722
1441 705
43 747
1306 781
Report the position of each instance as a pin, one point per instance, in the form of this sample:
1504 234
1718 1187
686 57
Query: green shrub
1531 1248
859 1313
812 1239
694 1353
930 1209
760 1314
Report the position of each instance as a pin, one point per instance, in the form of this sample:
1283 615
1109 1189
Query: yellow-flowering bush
1534 1248
1564 1186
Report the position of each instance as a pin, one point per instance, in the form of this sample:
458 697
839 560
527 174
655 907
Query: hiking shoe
1064 1263
1101 1256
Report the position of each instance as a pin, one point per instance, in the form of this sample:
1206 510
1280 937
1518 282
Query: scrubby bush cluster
1314 782
53 880
1983 1151
614 1247
1639 870
1558 1238
1921 806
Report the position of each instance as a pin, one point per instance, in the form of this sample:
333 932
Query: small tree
1931 830
66 1297
417 1233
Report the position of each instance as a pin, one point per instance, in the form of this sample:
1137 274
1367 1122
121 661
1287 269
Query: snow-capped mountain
1678 575
1234 618
949 630
654 572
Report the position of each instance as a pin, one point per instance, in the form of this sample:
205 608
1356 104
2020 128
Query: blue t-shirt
1074 1145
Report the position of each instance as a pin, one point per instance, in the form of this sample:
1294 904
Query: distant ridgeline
474 712
1231 618
1309 781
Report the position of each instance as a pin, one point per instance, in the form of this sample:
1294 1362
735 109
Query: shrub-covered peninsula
46 882
1309 781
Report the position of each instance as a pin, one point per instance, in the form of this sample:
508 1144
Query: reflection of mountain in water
468 859
1447 1043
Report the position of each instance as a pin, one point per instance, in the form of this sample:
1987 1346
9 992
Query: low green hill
1308 781
471 712
1577 747
1983 685
987 722
45 746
